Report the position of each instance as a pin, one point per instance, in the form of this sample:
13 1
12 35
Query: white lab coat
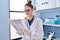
36 29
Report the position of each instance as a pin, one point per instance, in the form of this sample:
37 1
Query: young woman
33 24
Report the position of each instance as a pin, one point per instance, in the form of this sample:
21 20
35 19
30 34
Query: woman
33 24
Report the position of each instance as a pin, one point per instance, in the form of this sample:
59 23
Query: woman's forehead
27 7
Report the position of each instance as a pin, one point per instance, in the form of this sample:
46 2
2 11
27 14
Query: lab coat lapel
33 24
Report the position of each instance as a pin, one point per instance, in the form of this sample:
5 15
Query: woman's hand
28 32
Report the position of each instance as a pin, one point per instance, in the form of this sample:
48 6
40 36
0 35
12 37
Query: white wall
51 4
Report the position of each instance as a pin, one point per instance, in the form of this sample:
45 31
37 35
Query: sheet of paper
18 24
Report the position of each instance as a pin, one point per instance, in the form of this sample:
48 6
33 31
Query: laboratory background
47 10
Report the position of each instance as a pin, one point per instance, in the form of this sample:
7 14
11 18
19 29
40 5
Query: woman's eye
27 10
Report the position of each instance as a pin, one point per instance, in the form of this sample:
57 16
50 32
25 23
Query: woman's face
28 10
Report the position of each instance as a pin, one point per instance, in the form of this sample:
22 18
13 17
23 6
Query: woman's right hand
28 32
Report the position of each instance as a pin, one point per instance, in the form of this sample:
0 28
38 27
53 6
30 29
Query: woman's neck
30 18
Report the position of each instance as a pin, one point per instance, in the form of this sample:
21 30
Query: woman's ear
34 8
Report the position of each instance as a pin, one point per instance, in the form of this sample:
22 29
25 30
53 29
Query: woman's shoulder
38 19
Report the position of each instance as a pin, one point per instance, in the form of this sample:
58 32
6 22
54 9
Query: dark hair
29 4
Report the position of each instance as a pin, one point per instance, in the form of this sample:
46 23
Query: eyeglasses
27 10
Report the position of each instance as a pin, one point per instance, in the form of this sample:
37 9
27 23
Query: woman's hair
29 4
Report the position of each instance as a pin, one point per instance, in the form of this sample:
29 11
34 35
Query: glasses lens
27 10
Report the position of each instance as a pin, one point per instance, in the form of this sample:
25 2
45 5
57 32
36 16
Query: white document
18 24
